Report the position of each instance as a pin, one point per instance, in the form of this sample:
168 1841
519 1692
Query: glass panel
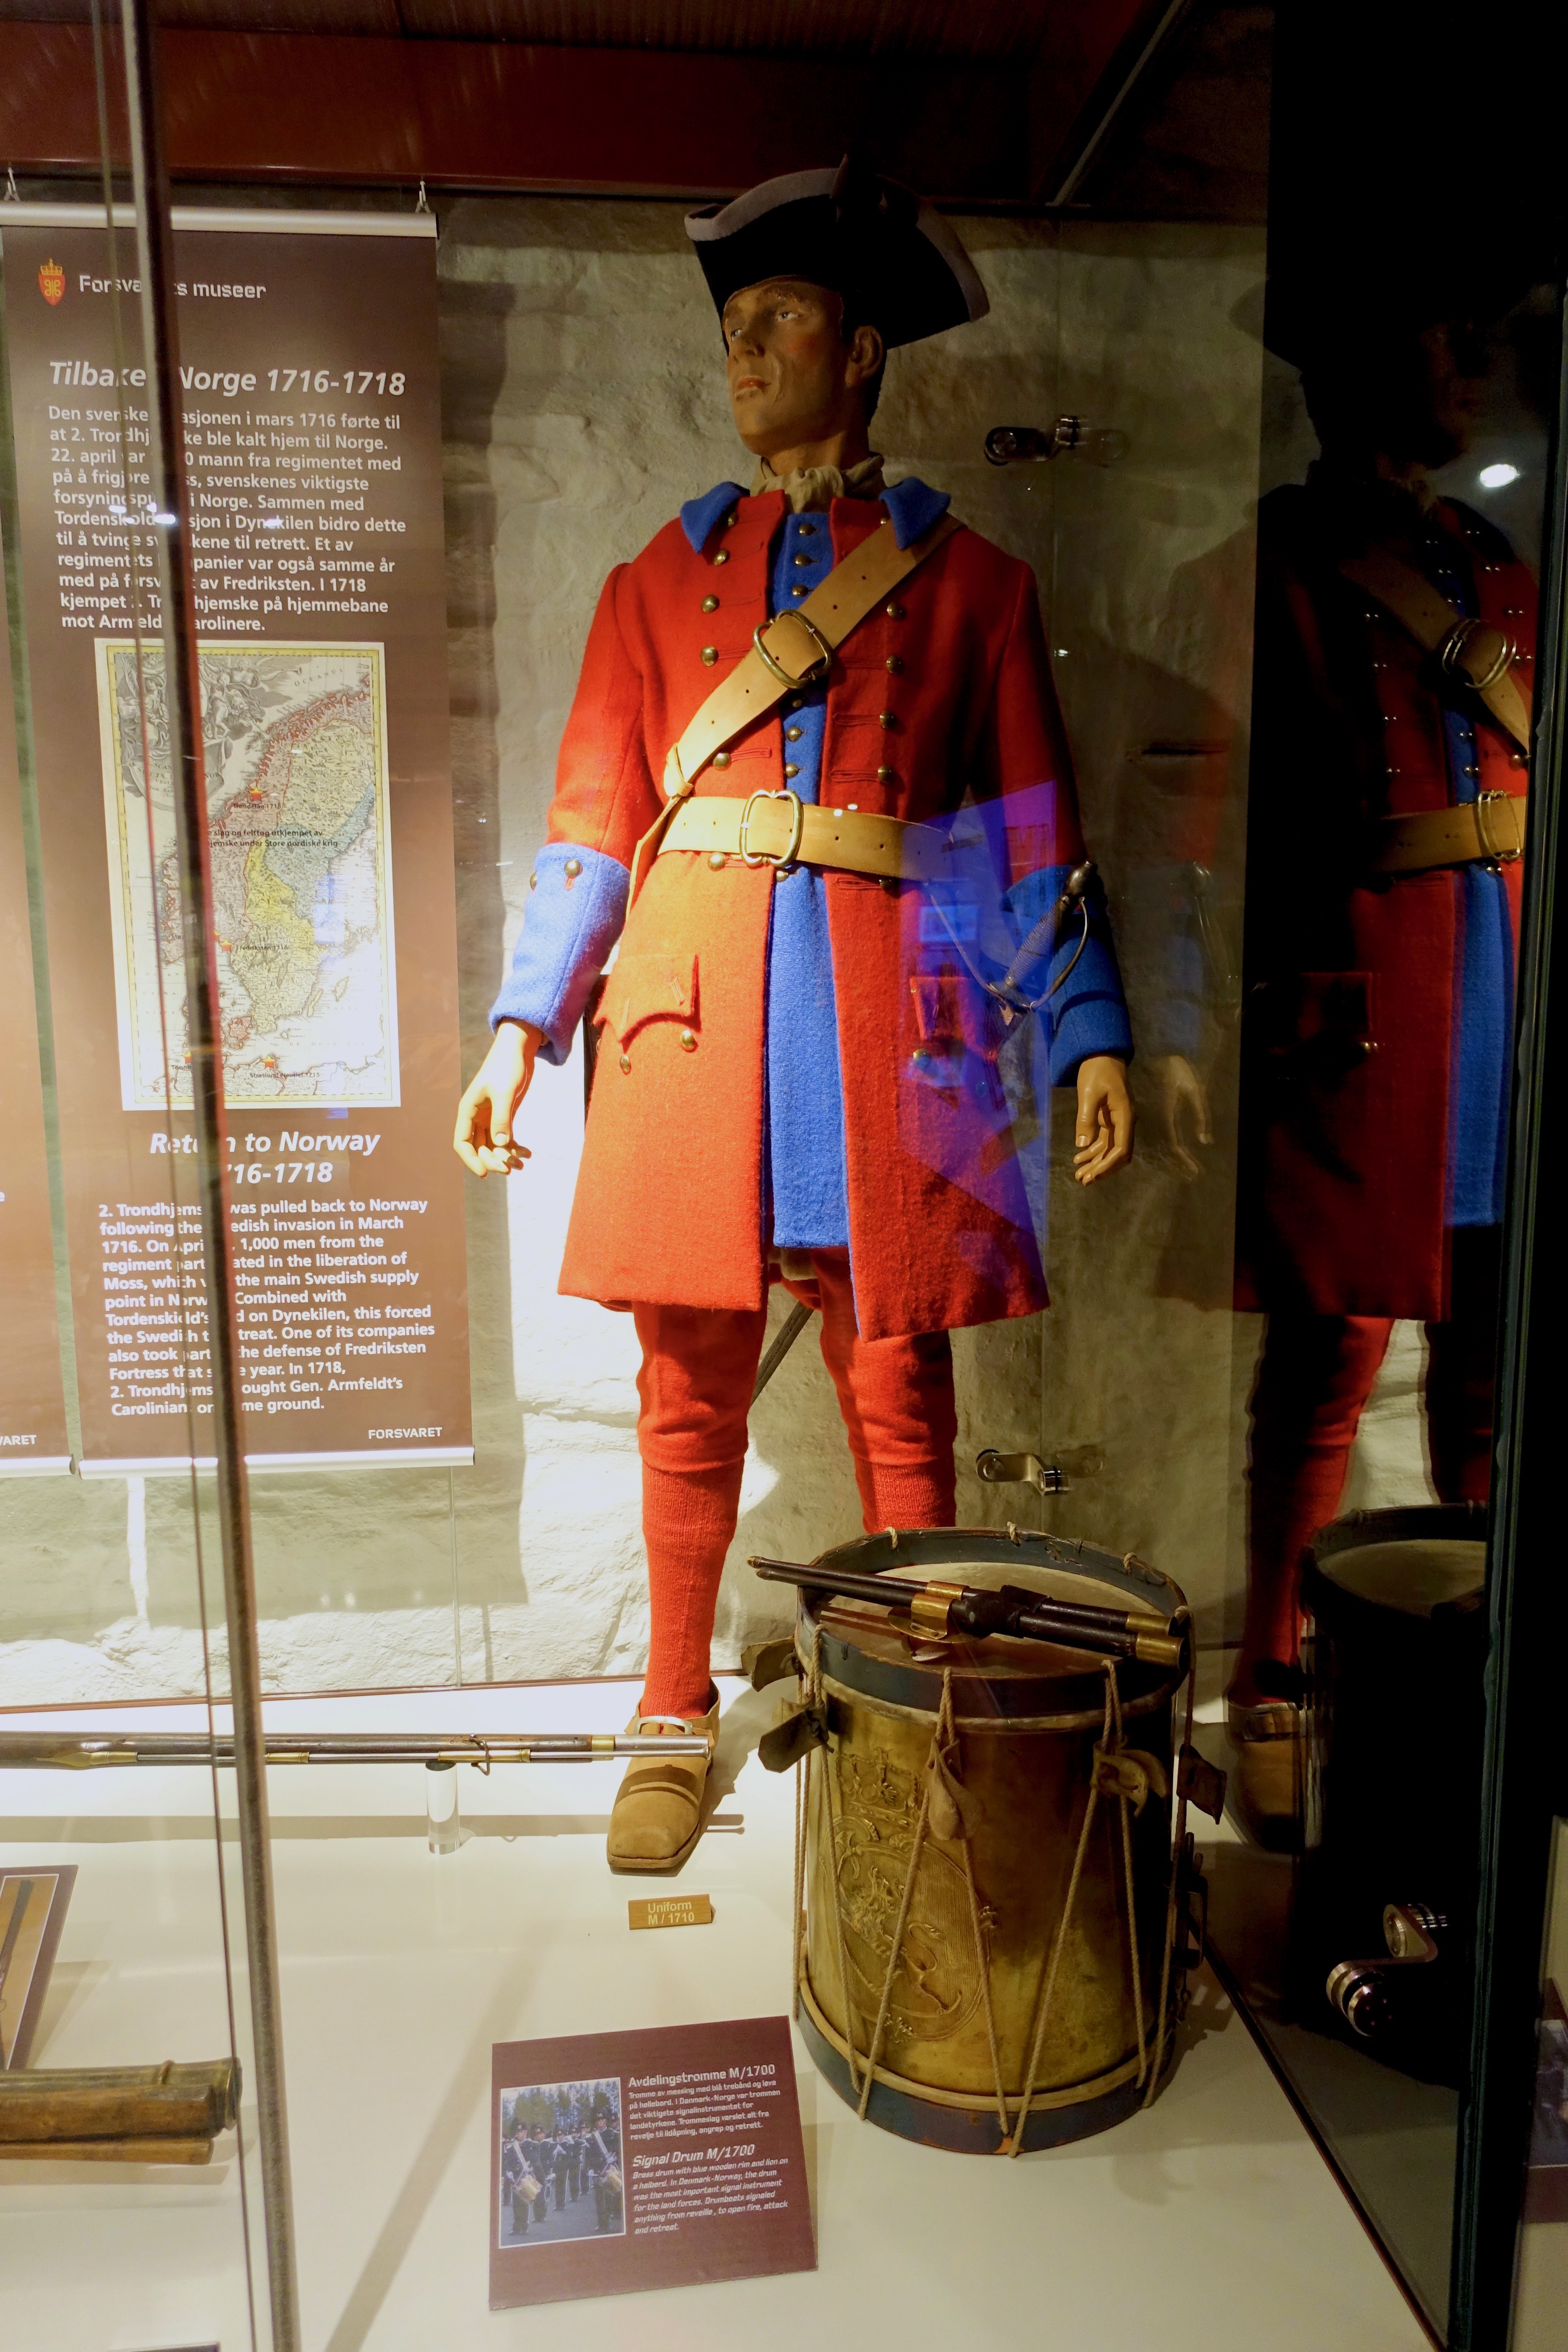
130 1992
1404 466
1543 2240
1211 730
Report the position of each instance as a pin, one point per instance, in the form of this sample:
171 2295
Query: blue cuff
569 925
1087 1013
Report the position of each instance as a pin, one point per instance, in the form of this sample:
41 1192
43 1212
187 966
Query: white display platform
1209 2224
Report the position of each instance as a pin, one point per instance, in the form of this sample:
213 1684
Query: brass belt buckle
1495 852
819 667
786 864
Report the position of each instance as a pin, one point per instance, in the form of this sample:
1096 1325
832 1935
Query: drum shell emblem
1030 1789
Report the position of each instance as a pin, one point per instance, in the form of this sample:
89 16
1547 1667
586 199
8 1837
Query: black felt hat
894 259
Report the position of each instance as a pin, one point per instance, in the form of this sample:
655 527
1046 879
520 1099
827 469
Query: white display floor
1210 2224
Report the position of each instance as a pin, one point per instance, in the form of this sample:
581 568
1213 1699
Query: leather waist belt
1491 828
780 829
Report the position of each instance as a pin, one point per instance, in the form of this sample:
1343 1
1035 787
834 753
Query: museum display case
1088 1586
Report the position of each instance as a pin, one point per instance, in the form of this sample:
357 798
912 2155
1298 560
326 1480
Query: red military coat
1352 978
670 1202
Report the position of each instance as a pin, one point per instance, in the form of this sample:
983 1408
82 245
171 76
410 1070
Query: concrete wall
583 401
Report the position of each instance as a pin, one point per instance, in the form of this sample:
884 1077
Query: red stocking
689 1521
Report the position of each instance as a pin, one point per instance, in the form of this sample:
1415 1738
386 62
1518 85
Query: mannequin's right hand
482 1139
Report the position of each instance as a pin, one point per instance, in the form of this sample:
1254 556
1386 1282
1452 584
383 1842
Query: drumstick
942 1608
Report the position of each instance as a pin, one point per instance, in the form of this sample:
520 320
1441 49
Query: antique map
297 819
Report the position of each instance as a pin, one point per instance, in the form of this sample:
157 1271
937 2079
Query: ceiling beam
312 108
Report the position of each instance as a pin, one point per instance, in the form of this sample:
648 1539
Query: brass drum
1040 1913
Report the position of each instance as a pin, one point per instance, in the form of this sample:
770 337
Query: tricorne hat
894 259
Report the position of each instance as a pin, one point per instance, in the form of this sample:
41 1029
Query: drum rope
897 1947
950 1751
1177 1847
945 1756
1113 1693
802 1813
818 1699
1013 2147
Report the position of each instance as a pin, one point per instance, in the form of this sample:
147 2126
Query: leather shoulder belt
788 654
1491 828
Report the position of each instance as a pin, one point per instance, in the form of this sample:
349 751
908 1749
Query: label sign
312 443
670 1911
625 2161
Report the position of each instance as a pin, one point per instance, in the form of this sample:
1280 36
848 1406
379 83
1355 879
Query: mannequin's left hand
1105 1119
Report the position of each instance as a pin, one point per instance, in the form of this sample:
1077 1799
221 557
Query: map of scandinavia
298 834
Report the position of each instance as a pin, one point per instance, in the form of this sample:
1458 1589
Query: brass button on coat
793 734
533 881
717 860
720 759
711 603
887 775
887 719
800 589
573 867
626 1063
894 612
790 768
710 656
722 556
688 1041
895 663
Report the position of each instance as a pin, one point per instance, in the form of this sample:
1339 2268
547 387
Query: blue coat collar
912 504
698 516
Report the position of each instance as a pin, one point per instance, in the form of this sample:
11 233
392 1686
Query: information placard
312 439
625 2161
32 1402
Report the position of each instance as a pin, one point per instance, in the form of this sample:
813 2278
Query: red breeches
1314 1378
698 1368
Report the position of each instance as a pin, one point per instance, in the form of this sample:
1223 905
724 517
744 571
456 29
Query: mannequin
798 1078
1379 1004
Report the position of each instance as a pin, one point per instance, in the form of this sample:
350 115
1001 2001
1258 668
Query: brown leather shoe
1265 1786
657 1814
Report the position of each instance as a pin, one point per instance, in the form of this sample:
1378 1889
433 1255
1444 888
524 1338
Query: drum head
1405 1563
1413 1577
871 1649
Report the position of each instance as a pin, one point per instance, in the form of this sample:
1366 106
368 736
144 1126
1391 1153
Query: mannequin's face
1416 405
795 381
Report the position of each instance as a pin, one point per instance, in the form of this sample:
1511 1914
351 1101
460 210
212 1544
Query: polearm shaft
942 1610
88 1751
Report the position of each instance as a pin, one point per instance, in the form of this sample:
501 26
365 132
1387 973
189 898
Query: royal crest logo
52 282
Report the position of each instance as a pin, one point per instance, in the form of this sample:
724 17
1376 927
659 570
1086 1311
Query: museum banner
32 1401
311 412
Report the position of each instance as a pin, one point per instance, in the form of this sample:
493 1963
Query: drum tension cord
1126 1774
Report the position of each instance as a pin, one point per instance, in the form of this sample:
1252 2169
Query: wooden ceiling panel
979 30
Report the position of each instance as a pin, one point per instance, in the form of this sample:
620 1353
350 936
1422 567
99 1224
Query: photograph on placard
561 2165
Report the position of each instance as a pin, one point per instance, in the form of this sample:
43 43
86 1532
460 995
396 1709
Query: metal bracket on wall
1031 444
1053 1477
